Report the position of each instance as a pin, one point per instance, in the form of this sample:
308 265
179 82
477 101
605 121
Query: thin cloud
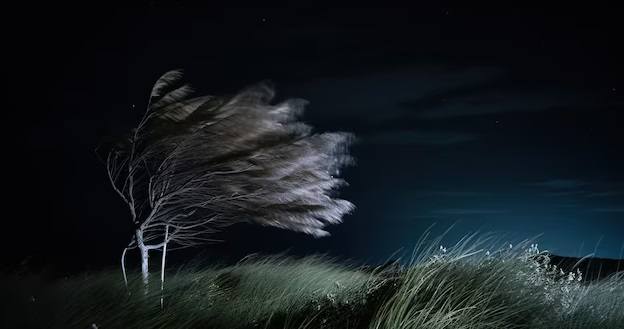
566 193
377 97
469 211
488 98
409 137
578 188
453 194
609 210
484 105
559 184
567 206
424 217
603 194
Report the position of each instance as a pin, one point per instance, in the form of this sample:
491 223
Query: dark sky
496 119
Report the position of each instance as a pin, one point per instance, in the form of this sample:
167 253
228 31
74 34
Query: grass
258 292
469 285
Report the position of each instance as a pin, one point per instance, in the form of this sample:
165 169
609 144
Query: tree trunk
144 260
162 267
123 268
145 265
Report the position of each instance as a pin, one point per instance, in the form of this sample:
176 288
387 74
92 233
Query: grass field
469 285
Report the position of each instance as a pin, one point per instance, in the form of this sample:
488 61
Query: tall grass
473 285
257 292
477 283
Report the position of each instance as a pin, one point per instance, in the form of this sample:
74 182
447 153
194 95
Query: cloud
566 193
377 96
424 217
566 206
488 102
433 91
584 193
559 184
411 137
458 194
609 210
578 188
469 211
603 194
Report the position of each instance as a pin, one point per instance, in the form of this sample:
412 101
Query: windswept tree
195 165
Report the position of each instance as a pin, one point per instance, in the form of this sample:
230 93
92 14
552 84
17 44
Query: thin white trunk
144 260
162 266
145 266
123 268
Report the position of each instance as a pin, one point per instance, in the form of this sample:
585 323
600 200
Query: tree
195 165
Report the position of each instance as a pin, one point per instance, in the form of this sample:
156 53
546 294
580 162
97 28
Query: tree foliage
196 165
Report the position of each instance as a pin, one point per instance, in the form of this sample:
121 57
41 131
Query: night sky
494 119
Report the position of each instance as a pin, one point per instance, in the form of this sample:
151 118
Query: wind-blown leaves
181 110
165 81
173 96
207 162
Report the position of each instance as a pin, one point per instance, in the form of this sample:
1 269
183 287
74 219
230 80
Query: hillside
462 287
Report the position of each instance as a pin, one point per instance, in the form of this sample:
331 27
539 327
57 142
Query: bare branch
194 166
